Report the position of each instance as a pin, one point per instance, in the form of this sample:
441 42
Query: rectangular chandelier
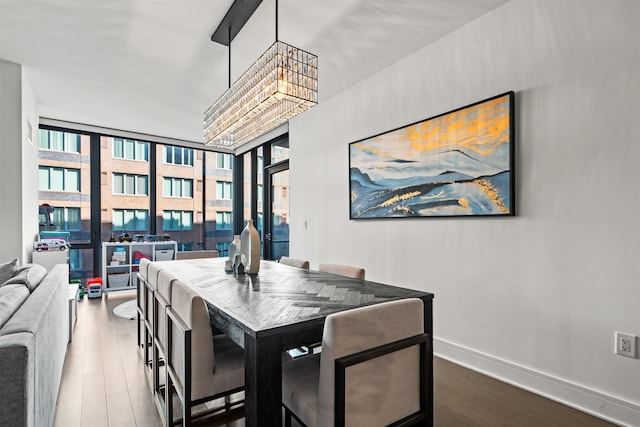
281 84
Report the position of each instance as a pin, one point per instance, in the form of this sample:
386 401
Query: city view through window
177 193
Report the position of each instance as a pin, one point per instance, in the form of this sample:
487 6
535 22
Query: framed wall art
459 163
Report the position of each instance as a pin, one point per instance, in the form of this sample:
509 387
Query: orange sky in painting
480 128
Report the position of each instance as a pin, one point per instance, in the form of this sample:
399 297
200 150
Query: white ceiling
149 66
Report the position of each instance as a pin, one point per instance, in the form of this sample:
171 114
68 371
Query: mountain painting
457 164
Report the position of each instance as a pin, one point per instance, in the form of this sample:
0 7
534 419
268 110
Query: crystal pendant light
282 83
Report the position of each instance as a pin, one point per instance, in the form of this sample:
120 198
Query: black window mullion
238 194
254 187
96 200
152 189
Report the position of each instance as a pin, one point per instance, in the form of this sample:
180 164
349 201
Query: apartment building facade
178 193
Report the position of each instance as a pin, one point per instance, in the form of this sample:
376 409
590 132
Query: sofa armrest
44 316
17 379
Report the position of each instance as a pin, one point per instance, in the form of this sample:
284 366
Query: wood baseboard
603 406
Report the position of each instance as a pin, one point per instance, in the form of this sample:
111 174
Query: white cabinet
48 259
120 261
72 296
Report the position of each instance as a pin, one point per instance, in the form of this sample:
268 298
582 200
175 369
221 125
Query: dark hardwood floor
104 384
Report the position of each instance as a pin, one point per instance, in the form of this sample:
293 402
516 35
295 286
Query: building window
177 220
130 219
260 192
224 221
67 219
129 149
177 187
222 248
59 179
224 161
178 155
130 184
59 141
223 190
185 247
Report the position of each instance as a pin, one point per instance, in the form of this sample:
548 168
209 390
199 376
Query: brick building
192 191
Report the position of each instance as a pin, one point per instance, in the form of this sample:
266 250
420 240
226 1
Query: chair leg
168 403
287 417
227 402
186 415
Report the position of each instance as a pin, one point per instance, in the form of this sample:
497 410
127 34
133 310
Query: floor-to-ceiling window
220 204
277 181
180 212
265 195
259 196
123 185
65 186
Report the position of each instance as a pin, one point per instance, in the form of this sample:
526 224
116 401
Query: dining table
281 308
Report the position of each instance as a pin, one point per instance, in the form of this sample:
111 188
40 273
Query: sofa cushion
11 298
29 274
8 269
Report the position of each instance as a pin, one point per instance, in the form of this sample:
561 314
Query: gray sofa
33 343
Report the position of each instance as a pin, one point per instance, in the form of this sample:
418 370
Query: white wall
18 164
30 199
10 161
533 299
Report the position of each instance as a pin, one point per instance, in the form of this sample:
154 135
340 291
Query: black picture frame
456 164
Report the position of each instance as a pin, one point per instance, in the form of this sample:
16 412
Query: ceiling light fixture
279 85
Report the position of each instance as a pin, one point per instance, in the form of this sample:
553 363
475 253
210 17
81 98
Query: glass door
68 195
276 237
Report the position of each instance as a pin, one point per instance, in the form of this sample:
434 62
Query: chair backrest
191 309
143 269
153 272
294 262
163 299
197 254
143 274
381 390
165 282
343 270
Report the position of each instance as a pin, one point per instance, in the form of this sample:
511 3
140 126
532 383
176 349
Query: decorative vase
250 248
234 249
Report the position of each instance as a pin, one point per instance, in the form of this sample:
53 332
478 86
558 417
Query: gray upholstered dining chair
142 277
199 366
343 270
372 370
197 254
149 286
340 270
293 262
298 263
162 300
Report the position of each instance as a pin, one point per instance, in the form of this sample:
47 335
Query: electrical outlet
626 345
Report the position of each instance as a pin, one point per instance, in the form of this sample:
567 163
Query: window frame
136 183
65 141
179 218
185 153
172 183
224 194
228 225
135 149
64 224
65 178
226 163
135 219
